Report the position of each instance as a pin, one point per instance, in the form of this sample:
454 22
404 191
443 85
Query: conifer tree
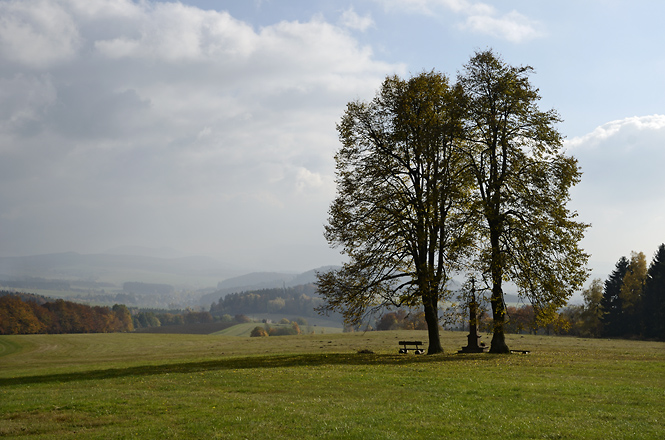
654 297
611 301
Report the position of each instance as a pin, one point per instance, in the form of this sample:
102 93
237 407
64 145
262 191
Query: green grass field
148 386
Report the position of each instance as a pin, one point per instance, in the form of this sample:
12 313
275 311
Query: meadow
331 386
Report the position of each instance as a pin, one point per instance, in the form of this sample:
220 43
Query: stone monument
474 344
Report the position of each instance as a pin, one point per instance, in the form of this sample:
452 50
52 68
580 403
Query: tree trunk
498 344
432 320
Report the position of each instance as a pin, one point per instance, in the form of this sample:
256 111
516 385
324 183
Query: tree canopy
435 178
24 314
400 186
522 185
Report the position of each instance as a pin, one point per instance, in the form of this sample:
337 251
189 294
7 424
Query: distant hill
142 251
260 281
116 268
255 280
39 299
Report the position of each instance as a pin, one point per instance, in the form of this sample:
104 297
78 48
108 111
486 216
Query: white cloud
109 9
172 32
617 128
352 20
308 180
478 17
426 7
163 124
118 47
513 26
620 193
37 34
622 160
25 99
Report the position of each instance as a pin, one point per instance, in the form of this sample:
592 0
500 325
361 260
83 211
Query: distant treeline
189 322
525 319
632 300
630 303
402 319
26 313
296 301
37 283
32 316
148 288
157 318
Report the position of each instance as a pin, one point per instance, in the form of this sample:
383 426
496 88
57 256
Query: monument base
467 349
474 346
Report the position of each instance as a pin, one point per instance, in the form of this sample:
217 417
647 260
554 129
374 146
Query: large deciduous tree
631 293
593 310
399 212
523 178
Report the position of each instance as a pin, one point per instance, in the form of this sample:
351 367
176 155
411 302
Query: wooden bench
405 349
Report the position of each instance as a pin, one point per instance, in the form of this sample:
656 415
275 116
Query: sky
208 127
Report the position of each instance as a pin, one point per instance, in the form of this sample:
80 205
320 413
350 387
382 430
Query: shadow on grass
258 362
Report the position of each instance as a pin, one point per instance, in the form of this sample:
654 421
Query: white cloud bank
623 128
477 17
160 124
621 192
37 34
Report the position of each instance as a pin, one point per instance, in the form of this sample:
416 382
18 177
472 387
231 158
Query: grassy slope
318 386
246 329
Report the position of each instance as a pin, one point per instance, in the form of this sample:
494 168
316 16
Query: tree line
630 303
156 318
19 316
25 313
401 320
296 301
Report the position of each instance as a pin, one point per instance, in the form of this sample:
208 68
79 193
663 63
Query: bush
258 331
241 319
285 329
226 318
198 317
402 320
